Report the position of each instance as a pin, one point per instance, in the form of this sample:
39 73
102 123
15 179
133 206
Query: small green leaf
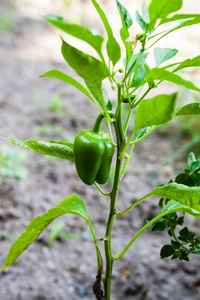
175 245
132 62
189 109
183 24
196 178
185 179
166 251
100 94
159 226
178 17
125 15
163 54
191 158
77 31
86 66
70 205
113 48
188 63
155 111
145 12
161 9
143 132
64 77
161 74
139 70
124 33
140 20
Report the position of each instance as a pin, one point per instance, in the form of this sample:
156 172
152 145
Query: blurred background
61 263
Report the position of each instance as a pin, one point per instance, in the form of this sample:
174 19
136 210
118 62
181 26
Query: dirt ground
28 48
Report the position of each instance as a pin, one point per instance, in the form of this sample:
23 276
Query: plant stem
108 235
120 136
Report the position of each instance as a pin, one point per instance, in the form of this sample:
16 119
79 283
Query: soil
67 270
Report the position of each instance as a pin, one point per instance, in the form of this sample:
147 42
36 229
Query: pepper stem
98 122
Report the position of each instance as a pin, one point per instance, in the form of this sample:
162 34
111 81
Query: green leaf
166 251
77 31
139 71
161 9
112 46
161 74
143 132
125 15
17 142
175 245
140 20
70 205
178 17
183 24
58 149
113 50
159 226
65 150
145 12
188 63
86 66
163 54
191 158
124 33
189 109
188 196
62 76
132 62
185 179
100 94
155 111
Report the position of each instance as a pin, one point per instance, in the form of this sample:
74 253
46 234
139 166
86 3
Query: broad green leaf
155 111
57 149
70 205
77 31
189 109
86 66
112 46
124 33
62 76
189 196
178 17
174 206
161 9
188 63
161 74
163 54
139 70
65 150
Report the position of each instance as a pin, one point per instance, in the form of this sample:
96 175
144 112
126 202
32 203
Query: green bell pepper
93 152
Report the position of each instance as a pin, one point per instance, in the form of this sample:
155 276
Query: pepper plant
93 149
